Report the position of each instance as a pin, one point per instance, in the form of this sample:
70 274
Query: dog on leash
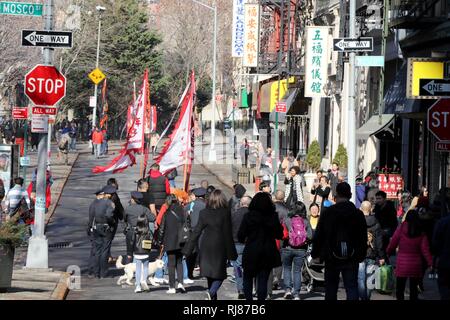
130 269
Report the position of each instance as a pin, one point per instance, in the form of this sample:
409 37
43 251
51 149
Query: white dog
130 269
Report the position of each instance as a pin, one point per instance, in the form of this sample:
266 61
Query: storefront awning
373 126
289 98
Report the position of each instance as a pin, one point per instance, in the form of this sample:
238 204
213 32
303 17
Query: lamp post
212 152
94 111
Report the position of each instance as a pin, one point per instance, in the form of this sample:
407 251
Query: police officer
118 213
101 222
99 195
132 213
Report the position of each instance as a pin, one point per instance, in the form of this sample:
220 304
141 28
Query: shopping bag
384 279
371 273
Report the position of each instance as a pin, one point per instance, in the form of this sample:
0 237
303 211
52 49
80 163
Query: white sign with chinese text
237 50
316 61
251 36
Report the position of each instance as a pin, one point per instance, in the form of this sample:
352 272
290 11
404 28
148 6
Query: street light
212 152
99 9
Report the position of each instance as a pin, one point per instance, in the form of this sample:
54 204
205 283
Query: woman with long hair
259 230
217 245
294 189
413 248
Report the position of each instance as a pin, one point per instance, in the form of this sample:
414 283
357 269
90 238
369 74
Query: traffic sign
96 76
25 161
281 107
443 146
349 44
45 85
20 8
20 113
435 87
42 38
44 111
39 123
369 61
439 120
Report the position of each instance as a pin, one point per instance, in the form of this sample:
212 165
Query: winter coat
360 194
296 183
217 244
410 253
236 219
387 217
137 243
282 210
259 231
375 251
197 206
97 137
441 243
324 194
324 240
239 192
159 187
132 214
170 226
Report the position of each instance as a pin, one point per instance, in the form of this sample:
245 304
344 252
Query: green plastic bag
385 279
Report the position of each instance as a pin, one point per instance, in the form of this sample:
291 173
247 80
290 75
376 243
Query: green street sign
20 8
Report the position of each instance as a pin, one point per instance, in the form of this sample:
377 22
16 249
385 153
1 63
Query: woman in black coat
217 244
168 234
259 229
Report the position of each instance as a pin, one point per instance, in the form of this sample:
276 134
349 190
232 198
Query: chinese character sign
251 36
390 183
237 50
316 61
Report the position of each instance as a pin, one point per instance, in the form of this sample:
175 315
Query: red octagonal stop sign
45 85
439 119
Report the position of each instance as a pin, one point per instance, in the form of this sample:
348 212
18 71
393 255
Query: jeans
261 287
365 279
237 266
97 150
185 269
214 286
73 144
349 275
159 274
413 290
296 257
104 147
172 183
141 275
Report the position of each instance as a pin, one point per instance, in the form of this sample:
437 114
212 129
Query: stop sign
45 85
439 119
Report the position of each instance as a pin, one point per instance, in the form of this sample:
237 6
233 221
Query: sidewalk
38 284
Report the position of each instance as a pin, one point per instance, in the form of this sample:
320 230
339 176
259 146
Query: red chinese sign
390 183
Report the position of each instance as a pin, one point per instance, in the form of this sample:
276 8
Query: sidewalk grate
60 245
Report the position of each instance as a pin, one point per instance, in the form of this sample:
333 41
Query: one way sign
349 44
40 38
435 87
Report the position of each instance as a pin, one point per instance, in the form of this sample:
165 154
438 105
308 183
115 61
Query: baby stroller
312 271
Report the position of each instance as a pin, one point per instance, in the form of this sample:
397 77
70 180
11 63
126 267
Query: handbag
147 244
185 231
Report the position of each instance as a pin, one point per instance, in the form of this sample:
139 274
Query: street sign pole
94 110
37 256
351 116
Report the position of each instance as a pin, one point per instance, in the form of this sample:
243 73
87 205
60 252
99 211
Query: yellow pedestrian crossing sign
96 76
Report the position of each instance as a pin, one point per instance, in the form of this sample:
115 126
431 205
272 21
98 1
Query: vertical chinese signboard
237 50
251 36
316 61
390 183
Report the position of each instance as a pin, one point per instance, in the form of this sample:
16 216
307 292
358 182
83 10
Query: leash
161 252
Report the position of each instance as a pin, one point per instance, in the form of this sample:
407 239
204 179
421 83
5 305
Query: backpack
297 232
342 240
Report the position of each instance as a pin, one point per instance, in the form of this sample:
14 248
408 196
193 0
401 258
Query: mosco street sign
439 119
20 8
349 44
42 38
45 85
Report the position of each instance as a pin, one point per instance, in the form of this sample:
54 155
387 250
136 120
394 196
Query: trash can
243 176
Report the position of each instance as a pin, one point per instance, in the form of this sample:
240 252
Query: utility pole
37 256
383 53
94 111
212 152
351 114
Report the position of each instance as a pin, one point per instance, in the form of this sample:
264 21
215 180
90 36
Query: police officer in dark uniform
132 213
99 195
118 213
101 222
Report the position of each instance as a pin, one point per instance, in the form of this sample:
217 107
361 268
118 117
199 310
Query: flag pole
146 125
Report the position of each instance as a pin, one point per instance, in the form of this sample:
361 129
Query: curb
62 290
52 210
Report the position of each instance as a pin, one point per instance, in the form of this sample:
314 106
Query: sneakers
138 290
297 297
154 283
145 286
171 291
269 296
181 288
160 280
188 281
208 296
288 294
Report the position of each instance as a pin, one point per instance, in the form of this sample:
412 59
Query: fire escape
279 37
415 14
